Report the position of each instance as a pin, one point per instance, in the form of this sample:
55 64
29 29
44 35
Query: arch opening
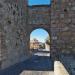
40 42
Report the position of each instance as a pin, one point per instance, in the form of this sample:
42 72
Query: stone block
73 8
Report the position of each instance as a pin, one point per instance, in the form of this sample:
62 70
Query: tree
48 40
42 46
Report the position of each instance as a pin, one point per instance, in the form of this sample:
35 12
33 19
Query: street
35 63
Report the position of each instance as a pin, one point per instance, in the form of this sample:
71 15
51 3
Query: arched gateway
17 20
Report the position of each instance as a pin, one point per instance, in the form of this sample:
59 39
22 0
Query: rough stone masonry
15 28
13 35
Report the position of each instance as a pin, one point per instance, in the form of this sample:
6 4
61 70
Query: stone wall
15 28
13 40
62 26
59 22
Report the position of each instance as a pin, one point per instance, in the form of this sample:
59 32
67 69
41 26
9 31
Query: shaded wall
59 21
63 26
13 32
17 22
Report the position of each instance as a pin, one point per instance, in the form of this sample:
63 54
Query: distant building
34 44
47 47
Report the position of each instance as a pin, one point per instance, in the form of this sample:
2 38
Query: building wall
34 44
59 21
13 40
62 25
39 15
47 47
16 26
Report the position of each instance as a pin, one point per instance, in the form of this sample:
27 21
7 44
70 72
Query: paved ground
69 62
37 73
42 53
37 63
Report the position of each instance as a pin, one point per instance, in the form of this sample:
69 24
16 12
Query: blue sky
38 2
39 34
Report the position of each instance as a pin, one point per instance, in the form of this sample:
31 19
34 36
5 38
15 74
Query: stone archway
43 15
17 17
40 37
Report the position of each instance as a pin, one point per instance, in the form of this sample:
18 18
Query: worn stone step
37 73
